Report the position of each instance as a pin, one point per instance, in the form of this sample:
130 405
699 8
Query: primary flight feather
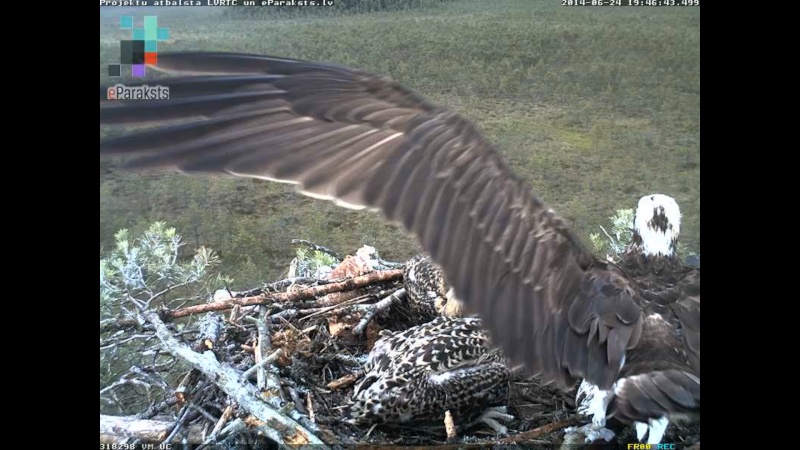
364 141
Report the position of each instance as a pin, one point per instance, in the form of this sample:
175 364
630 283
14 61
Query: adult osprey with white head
632 332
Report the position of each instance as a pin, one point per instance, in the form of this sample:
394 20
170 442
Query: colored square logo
114 70
150 22
126 22
126 52
131 52
137 70
142 49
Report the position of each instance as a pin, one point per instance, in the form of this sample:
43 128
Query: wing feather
368 142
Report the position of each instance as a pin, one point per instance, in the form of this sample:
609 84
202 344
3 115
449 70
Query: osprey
444 363
447 364
665 363
630 331
428 291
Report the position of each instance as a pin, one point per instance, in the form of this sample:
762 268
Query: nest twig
282 368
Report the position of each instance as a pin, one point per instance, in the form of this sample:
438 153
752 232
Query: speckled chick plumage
429 294
419 373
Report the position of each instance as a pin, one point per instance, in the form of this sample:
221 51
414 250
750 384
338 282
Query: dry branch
223 419
310 406
540 431
276 426
259 367
117 428
382 276
187 383
345 381
300 294
179 425
377 308
265 380
281 285
109 325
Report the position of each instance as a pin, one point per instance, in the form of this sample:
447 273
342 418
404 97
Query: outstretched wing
367 142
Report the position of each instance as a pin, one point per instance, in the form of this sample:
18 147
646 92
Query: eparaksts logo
141 92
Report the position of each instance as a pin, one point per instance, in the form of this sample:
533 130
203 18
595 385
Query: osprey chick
419 373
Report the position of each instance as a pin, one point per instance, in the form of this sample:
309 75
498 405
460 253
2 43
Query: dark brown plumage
367 142
419 373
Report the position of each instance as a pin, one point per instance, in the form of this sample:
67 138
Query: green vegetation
595 107
151 267
145 272
612 242
307 262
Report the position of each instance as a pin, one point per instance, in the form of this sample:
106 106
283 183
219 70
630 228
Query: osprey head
657 225
450 306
